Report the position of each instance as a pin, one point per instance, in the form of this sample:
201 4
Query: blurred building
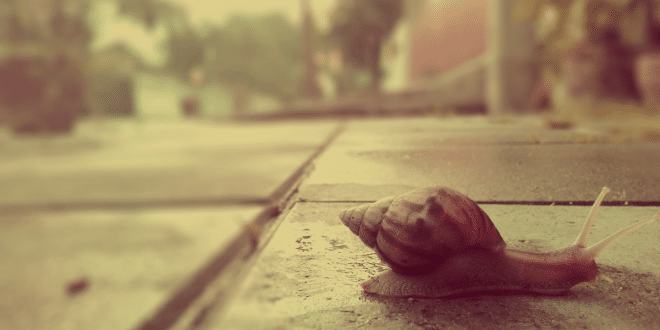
129 79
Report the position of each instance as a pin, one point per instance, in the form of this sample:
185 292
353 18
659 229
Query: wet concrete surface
307 276
125 262
516 161
114 269
100 229
142 162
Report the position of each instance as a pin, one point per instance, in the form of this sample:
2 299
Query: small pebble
77 287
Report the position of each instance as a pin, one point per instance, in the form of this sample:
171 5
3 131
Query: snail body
440 243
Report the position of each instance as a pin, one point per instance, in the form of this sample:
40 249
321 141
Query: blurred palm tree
359 28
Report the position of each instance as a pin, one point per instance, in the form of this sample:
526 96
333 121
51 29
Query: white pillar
398 77
512 67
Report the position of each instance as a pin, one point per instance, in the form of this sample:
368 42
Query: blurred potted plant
588 47
43 52
648 62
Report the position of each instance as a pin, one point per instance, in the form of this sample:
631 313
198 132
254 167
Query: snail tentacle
583 238
593 251
590 253
440 243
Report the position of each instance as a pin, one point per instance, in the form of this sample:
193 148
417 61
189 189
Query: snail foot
392 284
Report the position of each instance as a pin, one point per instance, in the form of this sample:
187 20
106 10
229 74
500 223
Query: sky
218 10
113 28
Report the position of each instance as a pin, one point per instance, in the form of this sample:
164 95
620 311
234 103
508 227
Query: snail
440 243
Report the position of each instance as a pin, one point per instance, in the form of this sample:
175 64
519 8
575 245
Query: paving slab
490 161
308 276
104 269
103 228
129 161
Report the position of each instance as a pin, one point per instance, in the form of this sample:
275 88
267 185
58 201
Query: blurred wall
465 52
446 34
158 97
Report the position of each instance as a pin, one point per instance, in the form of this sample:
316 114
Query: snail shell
413 233
440 243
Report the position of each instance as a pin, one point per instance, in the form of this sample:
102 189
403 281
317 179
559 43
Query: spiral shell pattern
415 232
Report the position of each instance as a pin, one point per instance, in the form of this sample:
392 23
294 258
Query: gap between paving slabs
212 285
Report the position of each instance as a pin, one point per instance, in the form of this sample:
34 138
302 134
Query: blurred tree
360 27
185 52
590 46
184 44
262 54
152 12
43 63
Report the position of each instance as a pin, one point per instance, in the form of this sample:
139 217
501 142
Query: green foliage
184 45
261 53
150 12
186 51
561 24
554 18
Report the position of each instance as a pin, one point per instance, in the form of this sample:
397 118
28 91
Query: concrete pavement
147 225
119 162
101 229
512 161
128 262
307 276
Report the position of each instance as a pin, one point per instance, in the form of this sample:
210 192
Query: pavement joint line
224 287
513 143
286 188
129 205
186 302
573 203
533 203
242 247
280 194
